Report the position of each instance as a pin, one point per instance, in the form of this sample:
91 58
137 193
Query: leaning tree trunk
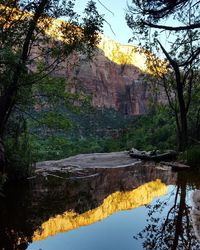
7 100
181 121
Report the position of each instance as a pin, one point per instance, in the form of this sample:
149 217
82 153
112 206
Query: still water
132 208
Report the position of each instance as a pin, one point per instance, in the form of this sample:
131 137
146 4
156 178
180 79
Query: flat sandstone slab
94 160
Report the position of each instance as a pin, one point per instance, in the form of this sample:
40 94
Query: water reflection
47 206
26 208
174 229
115 202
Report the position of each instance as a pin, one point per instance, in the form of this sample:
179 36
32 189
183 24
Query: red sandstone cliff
114 78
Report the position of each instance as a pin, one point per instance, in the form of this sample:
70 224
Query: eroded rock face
115 78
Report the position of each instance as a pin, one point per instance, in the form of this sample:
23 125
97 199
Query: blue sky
116 20
122 33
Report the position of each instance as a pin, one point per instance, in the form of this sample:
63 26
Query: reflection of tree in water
172 229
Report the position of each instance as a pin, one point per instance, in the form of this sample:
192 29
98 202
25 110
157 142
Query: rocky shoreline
93 160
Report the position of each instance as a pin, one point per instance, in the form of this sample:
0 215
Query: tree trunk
8 99
183 136
181 121
2 157
6 105
179 231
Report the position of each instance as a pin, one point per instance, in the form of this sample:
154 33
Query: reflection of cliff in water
113 203
26 208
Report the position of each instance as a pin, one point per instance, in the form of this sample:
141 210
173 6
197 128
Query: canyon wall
115 77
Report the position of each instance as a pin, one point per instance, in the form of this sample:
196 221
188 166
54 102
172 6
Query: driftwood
153 155
175 165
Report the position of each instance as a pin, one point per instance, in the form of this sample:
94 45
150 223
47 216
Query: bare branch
165 27
105 7
191 58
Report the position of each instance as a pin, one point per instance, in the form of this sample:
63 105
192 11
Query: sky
121 32
114 11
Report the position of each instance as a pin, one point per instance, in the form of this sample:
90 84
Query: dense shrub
192 156
155 131
19 156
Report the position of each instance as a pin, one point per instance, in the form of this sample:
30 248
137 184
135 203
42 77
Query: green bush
192 156
147 132
19 157
3 178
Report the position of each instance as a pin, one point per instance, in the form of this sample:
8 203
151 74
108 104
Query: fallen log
153 155
175 165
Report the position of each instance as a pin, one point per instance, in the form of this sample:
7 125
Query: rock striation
115 78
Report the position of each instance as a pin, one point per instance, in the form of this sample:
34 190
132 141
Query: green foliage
51 102
18 154
54 137
57 147
55 121
192 156
3 178
93 122
155 131
179 44
98 134
33 45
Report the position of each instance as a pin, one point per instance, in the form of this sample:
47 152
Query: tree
30 33
160 9
175 24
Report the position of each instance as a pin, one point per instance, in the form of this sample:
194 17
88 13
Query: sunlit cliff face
54 28
115 202
115 52
119 53
115 78
122 54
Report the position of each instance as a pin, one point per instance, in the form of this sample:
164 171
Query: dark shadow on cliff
121 86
